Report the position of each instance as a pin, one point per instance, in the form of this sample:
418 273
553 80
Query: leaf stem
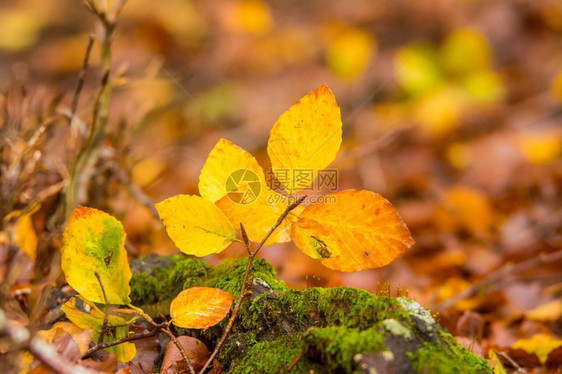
252 255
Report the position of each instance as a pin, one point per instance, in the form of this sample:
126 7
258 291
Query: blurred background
452 110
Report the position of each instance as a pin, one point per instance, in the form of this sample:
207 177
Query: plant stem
75 191
252 255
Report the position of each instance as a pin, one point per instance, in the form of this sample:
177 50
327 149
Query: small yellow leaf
542 148
305 138
352 231
539 344
417 70
466 207
548 312
87 315
226 167
25 234
197 226
259 216
349 53
200 307
495 363
93 241
465 51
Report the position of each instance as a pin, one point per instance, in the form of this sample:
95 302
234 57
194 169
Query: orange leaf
200 307
352 231
305 138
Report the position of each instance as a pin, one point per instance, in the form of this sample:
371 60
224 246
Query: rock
323 330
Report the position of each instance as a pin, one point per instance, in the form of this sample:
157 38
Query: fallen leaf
539 344
93 241
26 238
197 226
349 53
195 349
87 315
495 363
200 307
305 138
352 231
548 312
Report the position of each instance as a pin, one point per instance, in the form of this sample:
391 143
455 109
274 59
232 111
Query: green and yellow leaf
93 241
197 226
352 231
85 314
305 138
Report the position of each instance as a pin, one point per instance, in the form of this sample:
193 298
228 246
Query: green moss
445 359
228 275
336 347
337 330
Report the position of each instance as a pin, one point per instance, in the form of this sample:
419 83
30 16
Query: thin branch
81 78
130 338
295 361
245 239
245 279
514 364
106 313
180 347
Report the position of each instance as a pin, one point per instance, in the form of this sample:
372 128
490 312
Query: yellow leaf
416 67
26 238
254 17
20 28
226 167
87 315
93 241
465 51
349 53
539 344
79 335
197 226
440 111
352 231
548 312
200 307
260 215
466 207
541 149
496 363
305 138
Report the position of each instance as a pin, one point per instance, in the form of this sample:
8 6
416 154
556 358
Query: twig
502 272
141 335
78 178
295 361
106 313
514 364
252 255
81 76
45 352
180 347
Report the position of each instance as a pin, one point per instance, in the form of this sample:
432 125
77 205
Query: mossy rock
323 330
